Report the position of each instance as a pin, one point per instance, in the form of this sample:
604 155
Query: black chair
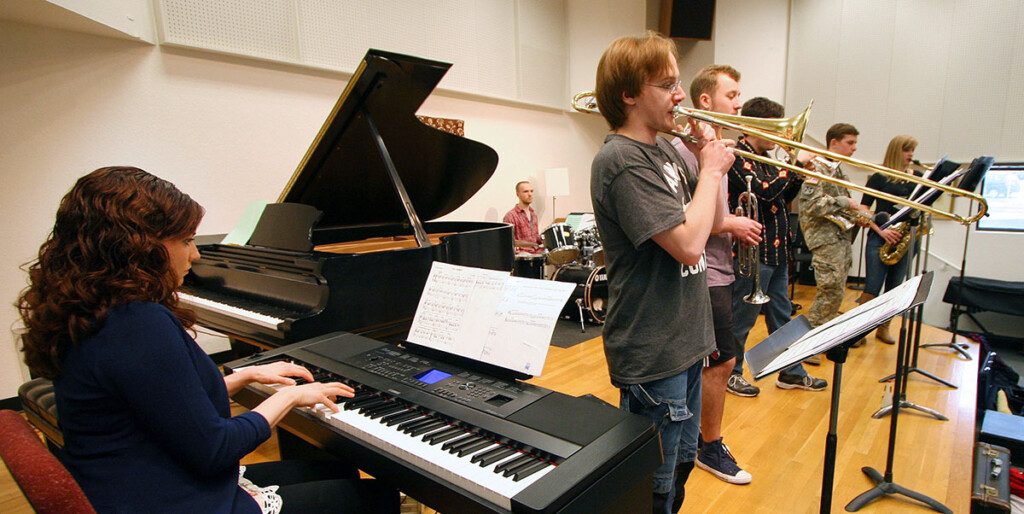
40 407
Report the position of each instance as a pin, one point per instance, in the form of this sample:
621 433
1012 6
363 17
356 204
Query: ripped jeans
673 404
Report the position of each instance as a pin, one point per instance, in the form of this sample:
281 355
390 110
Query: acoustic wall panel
918 78
508 49
980 60
948 72
543 51
1013 115
812 66
264 29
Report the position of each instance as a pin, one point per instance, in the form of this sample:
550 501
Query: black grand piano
346 249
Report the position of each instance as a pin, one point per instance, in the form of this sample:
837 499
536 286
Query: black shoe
740 387
806 382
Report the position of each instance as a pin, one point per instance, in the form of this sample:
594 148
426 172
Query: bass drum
591 293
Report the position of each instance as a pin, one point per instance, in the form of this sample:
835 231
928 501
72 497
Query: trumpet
787 133
748 256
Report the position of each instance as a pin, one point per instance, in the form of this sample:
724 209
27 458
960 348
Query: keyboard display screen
432 376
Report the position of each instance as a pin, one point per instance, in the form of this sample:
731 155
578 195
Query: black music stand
796 340
910 334
975 173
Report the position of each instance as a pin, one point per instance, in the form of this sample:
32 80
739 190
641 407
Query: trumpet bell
757 298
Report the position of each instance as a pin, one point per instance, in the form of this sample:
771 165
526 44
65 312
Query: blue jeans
879 273
775 284
673 404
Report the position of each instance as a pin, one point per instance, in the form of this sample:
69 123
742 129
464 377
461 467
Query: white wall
949 72
226 131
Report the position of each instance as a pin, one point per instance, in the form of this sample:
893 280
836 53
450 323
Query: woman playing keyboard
144 411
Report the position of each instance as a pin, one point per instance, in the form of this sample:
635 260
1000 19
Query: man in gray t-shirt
654 215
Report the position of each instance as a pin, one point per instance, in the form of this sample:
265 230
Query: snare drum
591 291
529 266
560 244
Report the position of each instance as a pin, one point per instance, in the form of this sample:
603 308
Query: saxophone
892 253
849 218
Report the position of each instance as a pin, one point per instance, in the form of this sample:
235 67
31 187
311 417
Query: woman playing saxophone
898 156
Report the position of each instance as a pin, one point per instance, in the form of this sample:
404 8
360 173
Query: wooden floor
779 437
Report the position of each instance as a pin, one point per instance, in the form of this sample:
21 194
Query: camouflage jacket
818 199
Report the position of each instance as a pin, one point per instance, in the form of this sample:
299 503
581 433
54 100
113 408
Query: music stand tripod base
884 487
961 348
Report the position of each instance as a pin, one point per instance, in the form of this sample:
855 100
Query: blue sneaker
715 458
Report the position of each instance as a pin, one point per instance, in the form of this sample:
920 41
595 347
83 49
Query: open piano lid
345 172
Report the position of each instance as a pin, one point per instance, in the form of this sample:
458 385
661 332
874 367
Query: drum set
575 256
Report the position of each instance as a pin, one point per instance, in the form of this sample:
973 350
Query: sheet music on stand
489 316
796 341
944 172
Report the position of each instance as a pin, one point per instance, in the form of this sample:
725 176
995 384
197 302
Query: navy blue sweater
146 419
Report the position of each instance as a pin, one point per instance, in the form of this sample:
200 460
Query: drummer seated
524 222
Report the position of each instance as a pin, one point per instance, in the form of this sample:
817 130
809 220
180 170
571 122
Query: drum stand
907 359
579 305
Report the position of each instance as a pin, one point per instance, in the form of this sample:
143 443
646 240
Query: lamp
557 184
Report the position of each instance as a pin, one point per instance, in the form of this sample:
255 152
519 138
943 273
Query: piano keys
461 439
371 175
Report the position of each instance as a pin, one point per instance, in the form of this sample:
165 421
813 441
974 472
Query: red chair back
46 483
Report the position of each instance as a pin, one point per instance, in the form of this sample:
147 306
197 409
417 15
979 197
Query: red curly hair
105 250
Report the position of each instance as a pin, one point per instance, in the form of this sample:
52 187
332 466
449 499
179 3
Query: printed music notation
489 316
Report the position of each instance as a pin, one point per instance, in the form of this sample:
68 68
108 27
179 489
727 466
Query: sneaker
740 387
796 382
814 360
715 458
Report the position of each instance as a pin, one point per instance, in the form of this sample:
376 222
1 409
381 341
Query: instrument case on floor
990 490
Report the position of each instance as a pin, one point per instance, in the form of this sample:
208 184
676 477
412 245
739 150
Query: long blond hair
894 154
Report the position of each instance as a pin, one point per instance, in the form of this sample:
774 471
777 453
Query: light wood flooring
779 437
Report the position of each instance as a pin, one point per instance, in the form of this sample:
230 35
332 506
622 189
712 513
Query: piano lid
345 172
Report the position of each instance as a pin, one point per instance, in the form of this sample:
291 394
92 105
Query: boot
866 297
883 335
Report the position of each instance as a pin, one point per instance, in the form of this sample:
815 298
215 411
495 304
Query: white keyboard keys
230 310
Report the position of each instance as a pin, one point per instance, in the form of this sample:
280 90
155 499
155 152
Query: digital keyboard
461 440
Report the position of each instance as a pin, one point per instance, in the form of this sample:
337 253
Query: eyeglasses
671 88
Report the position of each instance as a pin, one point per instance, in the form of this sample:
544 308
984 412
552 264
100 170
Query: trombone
787 133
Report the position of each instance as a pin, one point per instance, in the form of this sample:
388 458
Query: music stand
974 175
796 340
907 359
